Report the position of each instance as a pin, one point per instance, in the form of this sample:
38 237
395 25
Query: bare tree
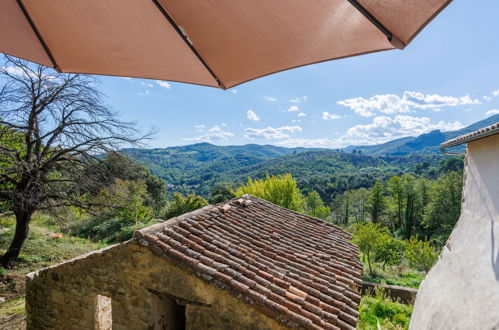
53 127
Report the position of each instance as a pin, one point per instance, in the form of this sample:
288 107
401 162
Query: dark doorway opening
179 320
167 313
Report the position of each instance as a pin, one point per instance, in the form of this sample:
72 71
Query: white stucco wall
462 290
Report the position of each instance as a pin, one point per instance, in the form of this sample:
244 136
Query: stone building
244 264
462 290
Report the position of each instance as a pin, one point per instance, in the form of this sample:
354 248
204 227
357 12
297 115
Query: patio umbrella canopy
219 43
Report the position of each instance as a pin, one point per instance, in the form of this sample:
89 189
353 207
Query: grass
383 312
40 250
408 279
12 309
401 275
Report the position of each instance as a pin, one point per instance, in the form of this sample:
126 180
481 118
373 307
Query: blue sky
447 78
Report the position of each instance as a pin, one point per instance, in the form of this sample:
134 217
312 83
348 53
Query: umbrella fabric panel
205 42
242 40
116 37
404 18
17 36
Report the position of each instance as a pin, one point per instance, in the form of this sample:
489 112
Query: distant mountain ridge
179 164
199 167
428 143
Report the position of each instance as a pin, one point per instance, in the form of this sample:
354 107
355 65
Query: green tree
341 208
411 204
368 237
314 206
444 207
451 164
395 191
127 200
181 205
389 251
64 123
420 255
360 204
123 188
376 202
10 139
221 192
422 187
281 190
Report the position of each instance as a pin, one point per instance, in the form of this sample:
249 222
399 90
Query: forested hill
198 168
178 164
428 143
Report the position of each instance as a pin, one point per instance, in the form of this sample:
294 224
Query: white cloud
422 101
302 99
251 115
307 143
126 78
389 103
492 112
270 99
327 116
16 71
384 129
146 84
215 129
163 84
223 124
293 108
271 132
214 134
496 92
302 114
487 98
296 121
211 137
234 91
145 93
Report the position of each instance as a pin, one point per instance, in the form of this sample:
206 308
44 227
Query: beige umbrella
219 43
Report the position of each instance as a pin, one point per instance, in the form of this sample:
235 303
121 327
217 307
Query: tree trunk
9 259
369 264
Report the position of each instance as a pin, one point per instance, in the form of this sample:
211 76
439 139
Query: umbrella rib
38 35
391 37
188 42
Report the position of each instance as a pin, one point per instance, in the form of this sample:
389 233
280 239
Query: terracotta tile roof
481 133
300 270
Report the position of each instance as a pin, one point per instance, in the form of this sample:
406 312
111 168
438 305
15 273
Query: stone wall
395 292
64 296
462 290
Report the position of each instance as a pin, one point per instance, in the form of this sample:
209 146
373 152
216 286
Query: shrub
314 206
381 310
108 230
420 255
389 251
281 190
368 237
181 205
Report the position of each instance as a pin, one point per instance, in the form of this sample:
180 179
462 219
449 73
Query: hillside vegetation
199 168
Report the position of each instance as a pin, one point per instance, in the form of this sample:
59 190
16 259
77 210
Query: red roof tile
300 269
478 134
